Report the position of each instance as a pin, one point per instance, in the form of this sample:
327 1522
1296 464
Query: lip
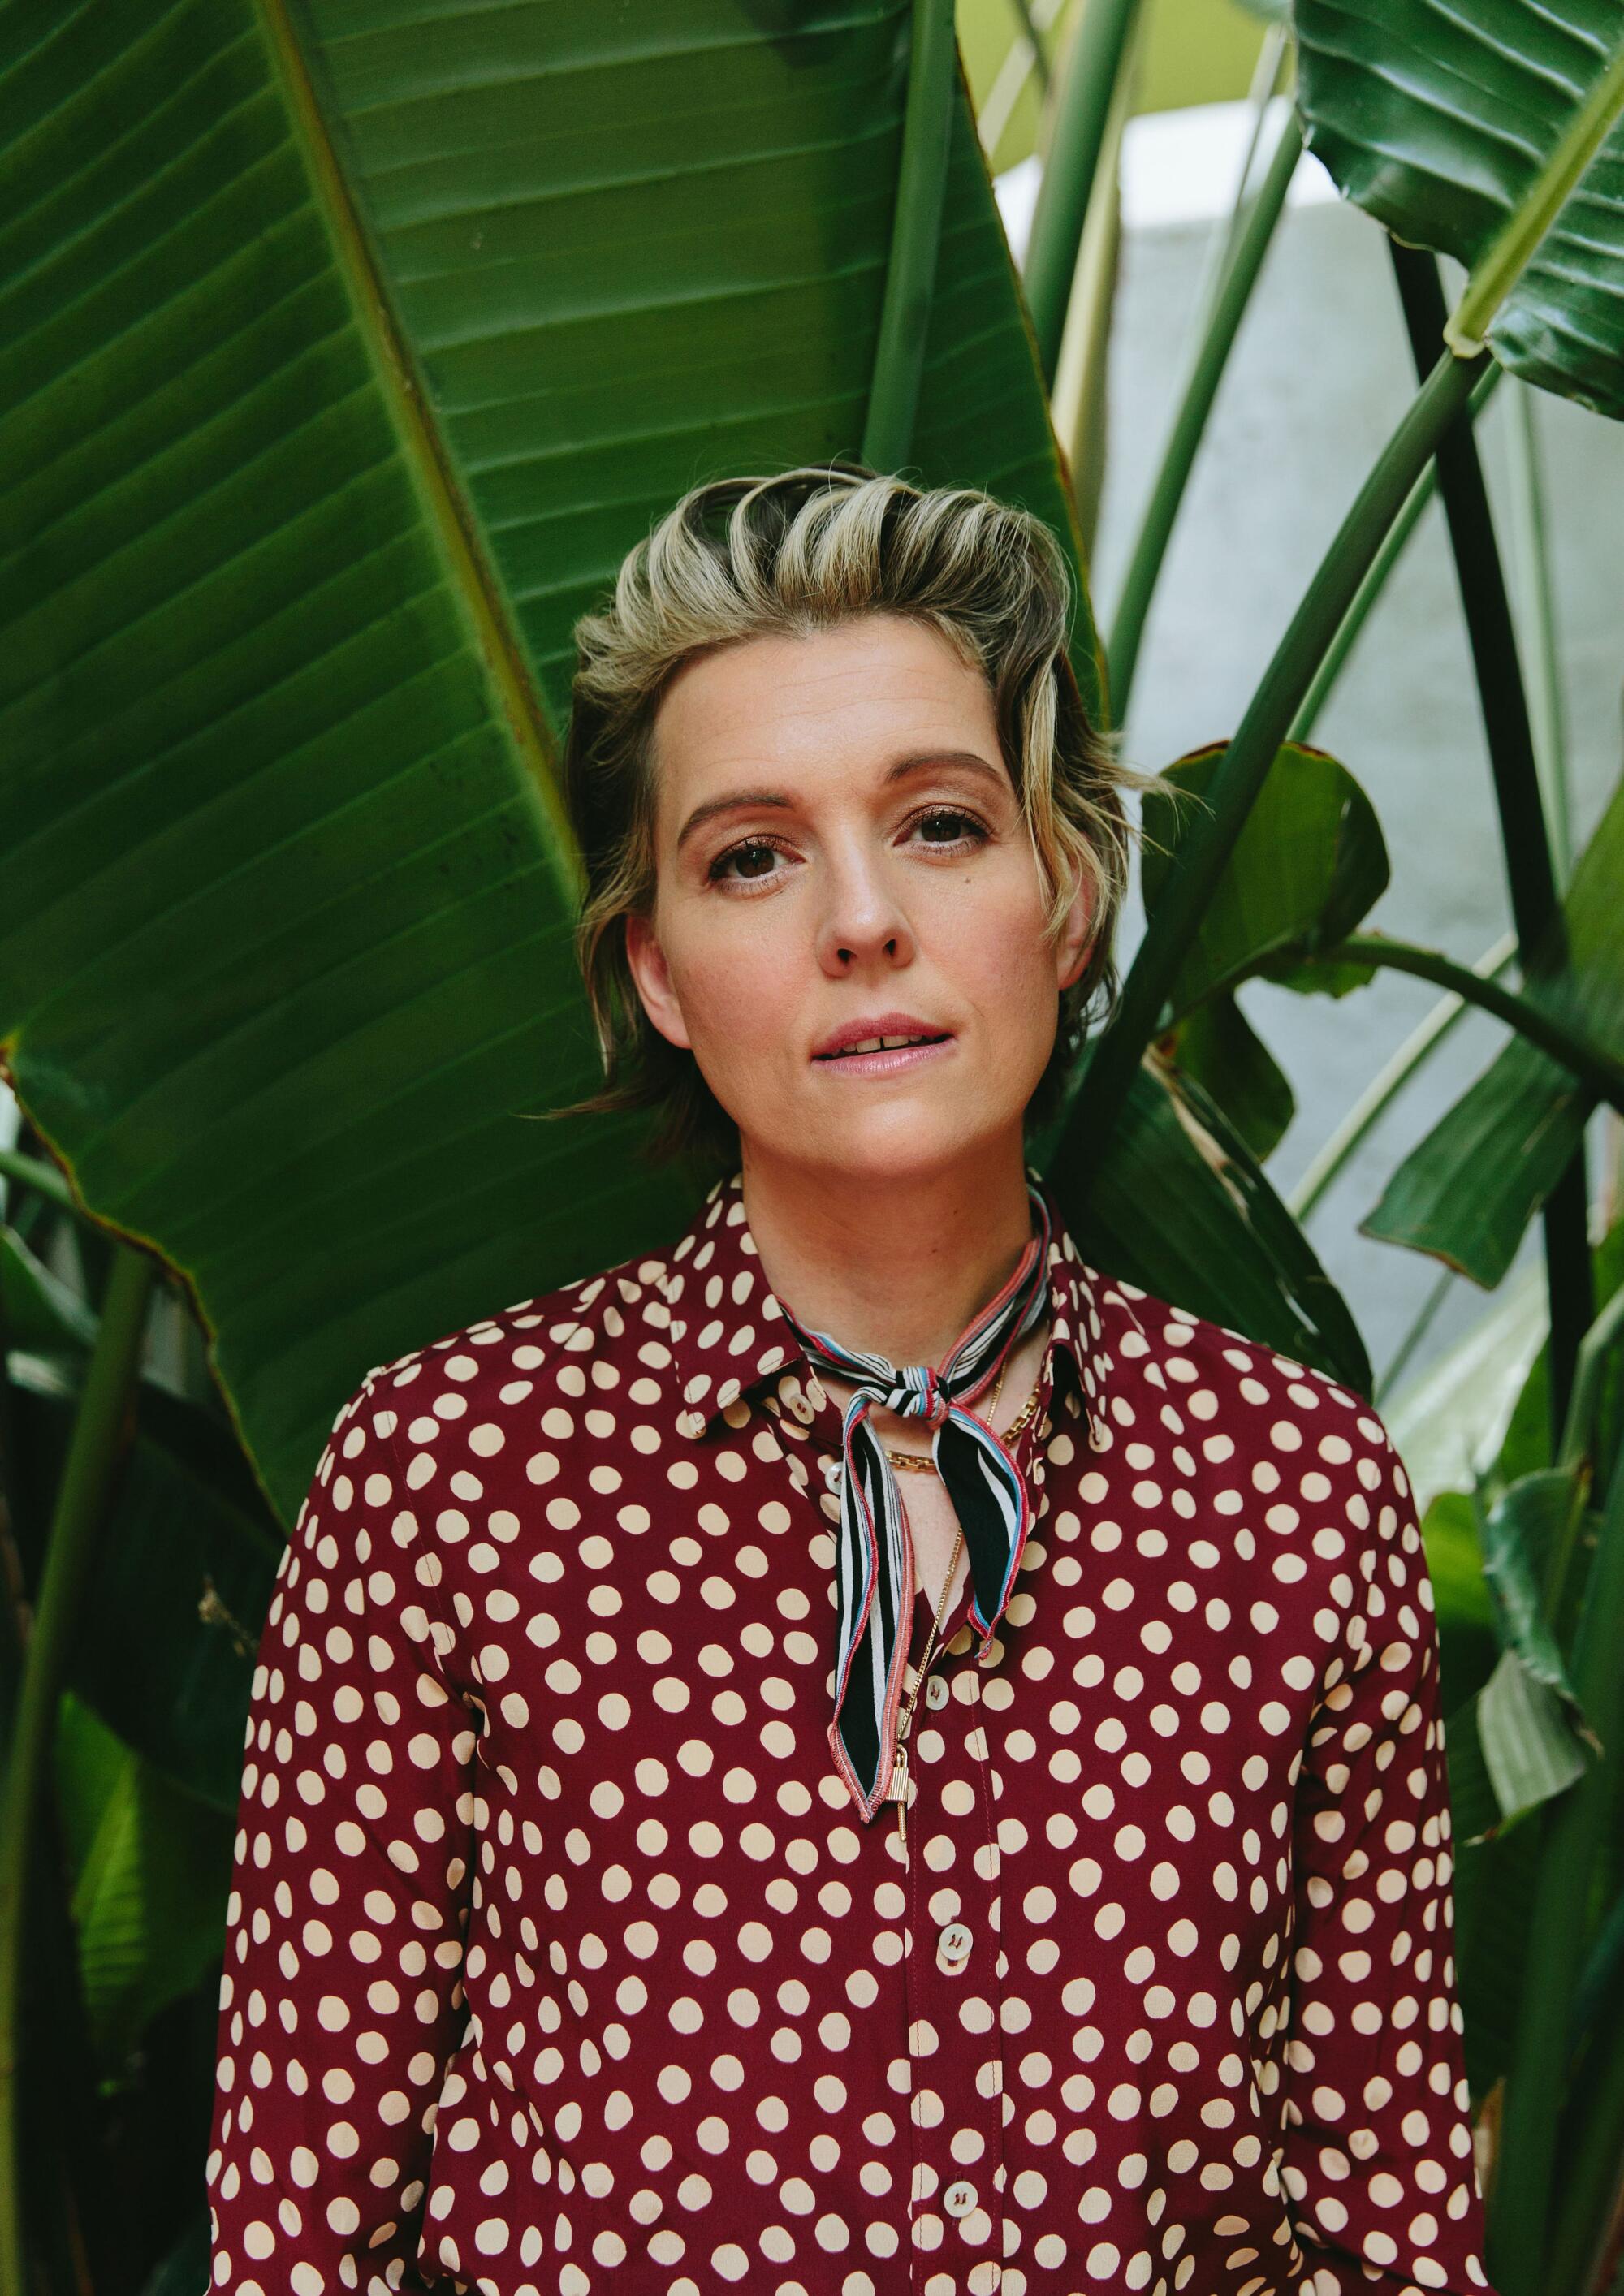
832 1055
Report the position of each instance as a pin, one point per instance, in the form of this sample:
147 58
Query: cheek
992 943
736 990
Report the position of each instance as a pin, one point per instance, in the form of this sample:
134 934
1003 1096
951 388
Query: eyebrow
916 762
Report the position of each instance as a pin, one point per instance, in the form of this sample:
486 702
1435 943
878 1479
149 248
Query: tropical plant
346 353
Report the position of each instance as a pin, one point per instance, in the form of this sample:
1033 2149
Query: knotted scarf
874 1565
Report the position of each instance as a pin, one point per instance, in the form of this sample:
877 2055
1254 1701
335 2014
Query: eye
960 822
748 847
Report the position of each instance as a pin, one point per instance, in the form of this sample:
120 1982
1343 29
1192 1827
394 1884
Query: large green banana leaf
343 352
1468 1190
1439 120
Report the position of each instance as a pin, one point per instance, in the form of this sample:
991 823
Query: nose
862 919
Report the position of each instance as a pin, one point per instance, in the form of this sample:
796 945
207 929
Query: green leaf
1494 1892
1217 1046
1467 1192
1528 1747
1449 1420
1467 1649
1527 1444
164 1647
1306 868
1181 1209
153 1869
1442 123
1455 1562
1474 1807
342 358
1519 1531
1528 1719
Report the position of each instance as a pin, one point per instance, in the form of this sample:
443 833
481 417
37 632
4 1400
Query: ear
653 978
1074 945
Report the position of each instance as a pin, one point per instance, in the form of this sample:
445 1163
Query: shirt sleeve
1378 2163
341 1993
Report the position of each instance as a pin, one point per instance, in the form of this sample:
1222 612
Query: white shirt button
936 1692
959 2199
954 1945
833 1469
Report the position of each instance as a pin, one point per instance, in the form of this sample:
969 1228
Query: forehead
831 702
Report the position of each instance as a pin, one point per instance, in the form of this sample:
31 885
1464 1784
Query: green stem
1571 1841
34 1172
1272 51
1577 1449
1593 1067
1536 905
1531 558
1082 108
1371 588
94 1452
1040 54
910 278
1578 1429
1498 269
1190 421
1384 1088
1592 2121
1079 403
1204 852
1412 1338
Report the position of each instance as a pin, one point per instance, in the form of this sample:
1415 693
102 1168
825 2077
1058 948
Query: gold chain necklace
921 1464
900 1768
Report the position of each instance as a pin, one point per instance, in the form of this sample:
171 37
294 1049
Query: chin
886 1144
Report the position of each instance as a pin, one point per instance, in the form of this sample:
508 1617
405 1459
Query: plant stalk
1531 558
1272 51
1204 855
1384 1088
1082 108
1404 1352
1029 27
1578 1429
916 224
1201 387
1079 403
95 1450
1536 905
1590 1063
1371 588
1594 2158
1571 1829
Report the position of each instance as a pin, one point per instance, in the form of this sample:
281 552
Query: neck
895 1266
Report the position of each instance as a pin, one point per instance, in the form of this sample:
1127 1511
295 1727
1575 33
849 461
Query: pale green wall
1196 52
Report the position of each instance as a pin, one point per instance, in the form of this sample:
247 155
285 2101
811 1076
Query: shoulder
607 1332
1265 1433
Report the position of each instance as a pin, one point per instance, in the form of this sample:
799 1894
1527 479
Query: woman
857 1753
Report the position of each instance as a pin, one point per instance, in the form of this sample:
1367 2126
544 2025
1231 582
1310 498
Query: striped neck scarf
873 1564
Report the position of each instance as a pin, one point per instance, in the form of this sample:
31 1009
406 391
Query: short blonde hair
806 551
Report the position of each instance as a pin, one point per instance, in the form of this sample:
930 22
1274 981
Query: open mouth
870 1045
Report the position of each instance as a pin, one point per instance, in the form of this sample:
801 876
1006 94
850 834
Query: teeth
882 1044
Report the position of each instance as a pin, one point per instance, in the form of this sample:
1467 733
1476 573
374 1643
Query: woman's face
838 841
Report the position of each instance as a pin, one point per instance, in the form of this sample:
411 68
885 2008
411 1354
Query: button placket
961 2145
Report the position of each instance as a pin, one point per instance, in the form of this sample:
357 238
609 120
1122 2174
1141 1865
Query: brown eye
719 870
958 825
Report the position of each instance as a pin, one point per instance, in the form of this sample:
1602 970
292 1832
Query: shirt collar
727 1332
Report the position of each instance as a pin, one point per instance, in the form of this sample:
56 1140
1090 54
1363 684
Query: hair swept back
806 550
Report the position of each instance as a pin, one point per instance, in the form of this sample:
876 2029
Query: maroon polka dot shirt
559 1960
